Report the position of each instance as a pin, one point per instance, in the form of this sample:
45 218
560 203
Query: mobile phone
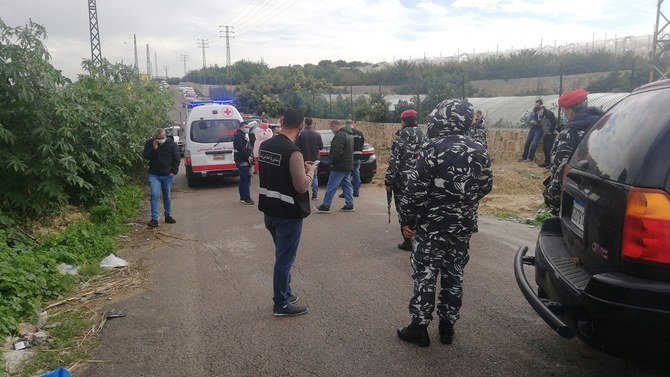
316 163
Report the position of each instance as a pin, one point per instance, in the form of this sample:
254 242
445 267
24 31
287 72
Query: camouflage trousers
446 257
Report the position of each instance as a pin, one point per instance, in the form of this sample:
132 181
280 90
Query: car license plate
577 216
219 157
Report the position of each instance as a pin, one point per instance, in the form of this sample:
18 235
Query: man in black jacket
283 197
359 140
310 143
163 156
243 160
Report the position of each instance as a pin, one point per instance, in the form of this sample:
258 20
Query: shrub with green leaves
62 141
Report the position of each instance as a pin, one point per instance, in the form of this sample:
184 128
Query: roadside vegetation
67 147
322 90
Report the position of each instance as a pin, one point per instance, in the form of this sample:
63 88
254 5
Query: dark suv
603 266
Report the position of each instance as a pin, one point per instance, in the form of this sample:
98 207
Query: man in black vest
283 197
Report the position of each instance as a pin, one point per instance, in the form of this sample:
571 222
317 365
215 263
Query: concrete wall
505 145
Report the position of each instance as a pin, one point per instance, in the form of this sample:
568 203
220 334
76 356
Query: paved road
208 308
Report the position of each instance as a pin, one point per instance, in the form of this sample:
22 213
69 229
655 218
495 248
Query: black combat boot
405 245
417 334
446 333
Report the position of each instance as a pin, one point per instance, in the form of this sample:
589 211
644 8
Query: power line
269 10
243 10
252 12
184 57
277 11
203 44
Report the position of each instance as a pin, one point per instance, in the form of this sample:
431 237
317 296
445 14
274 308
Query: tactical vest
277 197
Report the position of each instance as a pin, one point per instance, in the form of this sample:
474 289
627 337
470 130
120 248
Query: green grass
29 275
65 349
541 215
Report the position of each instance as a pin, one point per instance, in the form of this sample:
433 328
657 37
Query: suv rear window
214 130
627 144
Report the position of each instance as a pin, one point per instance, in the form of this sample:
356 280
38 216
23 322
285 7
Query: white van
208 141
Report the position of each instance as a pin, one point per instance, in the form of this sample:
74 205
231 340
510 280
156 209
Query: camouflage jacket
565 144
451 175
478 132
404 152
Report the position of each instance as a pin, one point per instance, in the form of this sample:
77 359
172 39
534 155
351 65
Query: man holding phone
283 196
163 156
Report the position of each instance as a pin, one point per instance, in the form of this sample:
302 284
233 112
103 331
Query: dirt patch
517 188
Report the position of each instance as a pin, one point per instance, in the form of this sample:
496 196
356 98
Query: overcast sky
282 32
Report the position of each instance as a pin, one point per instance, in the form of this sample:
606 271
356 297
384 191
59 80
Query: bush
29 271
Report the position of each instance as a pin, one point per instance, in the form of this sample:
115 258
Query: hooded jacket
565 144
404 151
342 151
452 173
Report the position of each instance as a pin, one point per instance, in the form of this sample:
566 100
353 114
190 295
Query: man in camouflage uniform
478 130
580 119
452 173
404 151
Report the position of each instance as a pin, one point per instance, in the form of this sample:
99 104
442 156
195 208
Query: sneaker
522 160
293 299
341 195
247 202
170 220
322 209
355 195
347 209
153 223
289 310
314 196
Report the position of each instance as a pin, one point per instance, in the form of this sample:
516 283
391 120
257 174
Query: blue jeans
315 181
244 183
286 237
335 180
160 184
356 177
533 139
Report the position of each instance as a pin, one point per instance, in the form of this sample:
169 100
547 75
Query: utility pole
184 57
227 34
156 63
137 67
166 71
96 53
203 44
148 62
660 46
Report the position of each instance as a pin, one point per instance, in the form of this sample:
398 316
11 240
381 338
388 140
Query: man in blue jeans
163 156
341 165
283 197
359 140
534 136
243 160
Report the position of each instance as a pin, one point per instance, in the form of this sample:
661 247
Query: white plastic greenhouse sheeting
509 112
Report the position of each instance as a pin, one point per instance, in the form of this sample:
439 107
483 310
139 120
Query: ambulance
208 140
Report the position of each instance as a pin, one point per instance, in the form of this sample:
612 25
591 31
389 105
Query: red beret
572 98
408 114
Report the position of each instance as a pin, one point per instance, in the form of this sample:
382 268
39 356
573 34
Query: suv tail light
646 228
187 156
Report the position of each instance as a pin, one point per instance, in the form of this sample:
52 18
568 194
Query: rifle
389 198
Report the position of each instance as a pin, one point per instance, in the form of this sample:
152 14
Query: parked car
603 266
175 132
368 165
